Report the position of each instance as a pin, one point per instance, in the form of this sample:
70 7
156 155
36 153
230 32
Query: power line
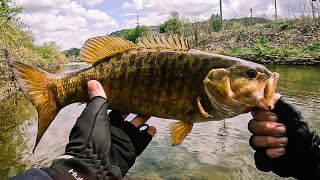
194 13
149 9
163 9
157 7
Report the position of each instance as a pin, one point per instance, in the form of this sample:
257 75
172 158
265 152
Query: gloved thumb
95 89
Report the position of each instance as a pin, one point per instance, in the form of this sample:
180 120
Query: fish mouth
267 101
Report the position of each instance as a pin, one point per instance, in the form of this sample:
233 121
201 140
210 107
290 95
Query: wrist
303 148
71 168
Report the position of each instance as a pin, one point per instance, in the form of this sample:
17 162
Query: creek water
213 150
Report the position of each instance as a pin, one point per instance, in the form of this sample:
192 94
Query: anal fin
179 130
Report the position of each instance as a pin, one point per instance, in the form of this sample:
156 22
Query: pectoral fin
179 130
199 107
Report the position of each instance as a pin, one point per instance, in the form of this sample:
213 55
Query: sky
69 23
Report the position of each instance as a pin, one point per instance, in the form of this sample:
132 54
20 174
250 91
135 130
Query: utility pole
251 15
137 19
275 10
312 5
221 15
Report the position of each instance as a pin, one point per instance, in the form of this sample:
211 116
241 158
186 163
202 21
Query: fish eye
252 73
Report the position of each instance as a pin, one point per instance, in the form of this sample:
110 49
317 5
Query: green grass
264 39
269 50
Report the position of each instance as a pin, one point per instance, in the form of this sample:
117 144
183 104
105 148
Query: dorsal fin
98 48
171 42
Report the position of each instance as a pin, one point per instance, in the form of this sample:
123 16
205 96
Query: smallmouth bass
159 76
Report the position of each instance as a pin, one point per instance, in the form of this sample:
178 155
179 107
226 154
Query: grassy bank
17 44
280 42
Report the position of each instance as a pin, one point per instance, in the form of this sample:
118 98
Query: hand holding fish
268 132
284 142
102 146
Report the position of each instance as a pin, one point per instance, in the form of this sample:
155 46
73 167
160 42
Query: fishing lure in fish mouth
159 76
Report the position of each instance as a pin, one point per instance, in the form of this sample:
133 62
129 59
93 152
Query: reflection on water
302 87
213 150
15 117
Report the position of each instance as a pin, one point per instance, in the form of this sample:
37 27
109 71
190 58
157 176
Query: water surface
213 150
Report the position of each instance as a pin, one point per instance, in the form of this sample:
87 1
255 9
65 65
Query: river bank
280 60
285 42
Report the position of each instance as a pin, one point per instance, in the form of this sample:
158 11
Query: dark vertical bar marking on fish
183 75
131 60
153 84
196 64
122 76
169 75
205 63
181 57
163 70
137 77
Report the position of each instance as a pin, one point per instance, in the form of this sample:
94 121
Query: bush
215 22
173 25
139 31
16 44
7 12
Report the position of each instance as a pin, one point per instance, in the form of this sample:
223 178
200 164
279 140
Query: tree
172 25
215 23
6 11
139 31
72 52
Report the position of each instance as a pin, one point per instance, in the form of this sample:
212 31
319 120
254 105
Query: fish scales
166 80
164 75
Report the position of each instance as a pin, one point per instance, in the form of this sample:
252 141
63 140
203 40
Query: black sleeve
32 174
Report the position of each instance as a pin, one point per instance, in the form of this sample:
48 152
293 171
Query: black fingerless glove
99 147
302 153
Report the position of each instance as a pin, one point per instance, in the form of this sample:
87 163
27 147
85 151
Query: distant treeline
176 25
73 52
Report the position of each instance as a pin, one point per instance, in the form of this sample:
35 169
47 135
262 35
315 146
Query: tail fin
35 84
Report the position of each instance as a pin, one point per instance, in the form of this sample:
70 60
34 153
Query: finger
139 120
269 142
152 130
261 115
95 89
275 152
266 128
142 140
